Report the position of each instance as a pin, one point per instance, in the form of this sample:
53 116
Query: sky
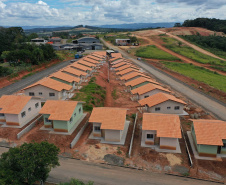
100 12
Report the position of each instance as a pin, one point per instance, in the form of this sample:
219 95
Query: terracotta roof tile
94 58
110 117
125 71
134 74
117 61
147 88
74 71
58 109
126 66
210 132
116 55
88 64
159 98
12 104
91 60
140 80
52 84
166 125
120 64
65 77
81 67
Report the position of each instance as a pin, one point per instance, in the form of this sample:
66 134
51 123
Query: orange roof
119 64
140 80
159 98
126 66
74 71
86 63
116 55
91 60
110 117
79 66
125 71
52 84
65 77
102 53
165 125
12 104
147 88
58 109
132 75
94 57
117 61
210 132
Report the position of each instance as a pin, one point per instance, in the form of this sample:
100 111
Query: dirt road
185 59
206 102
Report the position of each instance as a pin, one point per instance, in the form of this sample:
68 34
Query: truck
77 56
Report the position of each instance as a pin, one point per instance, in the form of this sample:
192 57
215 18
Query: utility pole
108 61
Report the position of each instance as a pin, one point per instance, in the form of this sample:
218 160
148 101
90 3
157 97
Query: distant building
55 40
122 42
39 41
86 40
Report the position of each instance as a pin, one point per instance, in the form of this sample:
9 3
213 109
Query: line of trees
211 24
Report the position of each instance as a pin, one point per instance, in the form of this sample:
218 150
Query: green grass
154 53
191 53
92 94
114 94
198 73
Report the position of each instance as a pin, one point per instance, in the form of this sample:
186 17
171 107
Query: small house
62 116
161 130
74 72
126 71
126 66
18 110
82 68
163 103
49 89
87 64
133 76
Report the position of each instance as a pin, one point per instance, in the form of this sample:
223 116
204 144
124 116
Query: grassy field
191 53
155 53
92 94
198 73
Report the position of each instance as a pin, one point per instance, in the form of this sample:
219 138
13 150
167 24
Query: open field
152 51
189 52
198 73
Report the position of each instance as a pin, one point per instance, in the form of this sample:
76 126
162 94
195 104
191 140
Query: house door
52 123
103 133
219 149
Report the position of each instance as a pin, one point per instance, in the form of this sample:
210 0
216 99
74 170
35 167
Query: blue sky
98 12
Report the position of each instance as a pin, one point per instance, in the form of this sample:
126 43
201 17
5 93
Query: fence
131 142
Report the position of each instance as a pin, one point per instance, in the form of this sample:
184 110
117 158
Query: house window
74 114
150 136
157 109
224 145
97 128
29 109
168 107
146 96
36 105
71 119
1 114
23 114
176 107
80 110
47 120
40 93
31 93
51 94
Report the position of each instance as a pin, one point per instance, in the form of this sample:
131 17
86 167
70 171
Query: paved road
111 175
206 102
15 87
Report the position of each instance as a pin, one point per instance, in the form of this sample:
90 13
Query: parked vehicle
77 56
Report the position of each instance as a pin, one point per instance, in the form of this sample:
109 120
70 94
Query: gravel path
208 103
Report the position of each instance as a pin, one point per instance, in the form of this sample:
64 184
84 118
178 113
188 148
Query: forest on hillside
211 24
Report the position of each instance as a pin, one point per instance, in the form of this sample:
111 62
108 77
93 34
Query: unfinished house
163 103
208 138
18 110
109 124
62 116
161 131
67 79
49 89
148 90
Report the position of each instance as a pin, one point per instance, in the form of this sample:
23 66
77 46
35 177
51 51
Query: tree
28 163
177 24
179 43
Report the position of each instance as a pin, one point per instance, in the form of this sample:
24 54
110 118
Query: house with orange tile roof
81 67
126 71
87 64
18 110
208 138
133 76
125 67
148 90
120 64
62 116
161 132
117 61
114 60
49 89
109 124
90 60
74 72
95 57
66 78
163 103
116 55
138 82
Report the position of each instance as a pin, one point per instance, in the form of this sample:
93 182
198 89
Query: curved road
207 102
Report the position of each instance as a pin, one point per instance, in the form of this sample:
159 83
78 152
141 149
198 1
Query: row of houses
161 111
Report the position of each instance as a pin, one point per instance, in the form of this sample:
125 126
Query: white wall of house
167 142
112 135
2 118
164 108
150 93
12 118
144 136
45 93
96 133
